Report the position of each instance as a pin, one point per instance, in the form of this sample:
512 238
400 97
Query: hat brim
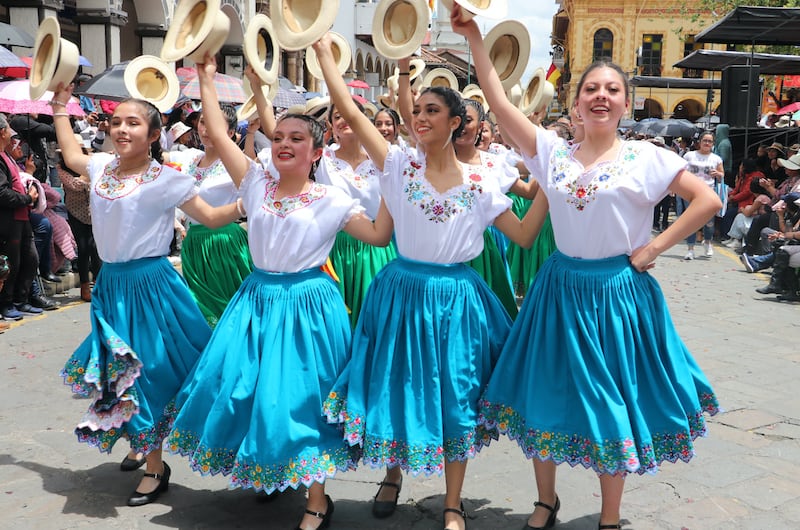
249 109
341 52
55 60
385 101
300 23
477 94
316 106
149 78
514 94
440 77
509 46
396 42
416 69
261 48
192 23
495 9
537 94
370 110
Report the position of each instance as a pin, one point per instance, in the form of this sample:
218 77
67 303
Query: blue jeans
708 228
42 237
762 262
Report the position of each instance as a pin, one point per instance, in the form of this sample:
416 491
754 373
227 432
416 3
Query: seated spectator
787 212
769 219
5 270
740 199
783 280
179 136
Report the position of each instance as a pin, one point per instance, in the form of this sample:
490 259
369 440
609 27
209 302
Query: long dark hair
454 103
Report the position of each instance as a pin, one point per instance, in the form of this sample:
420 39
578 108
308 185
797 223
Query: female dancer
214 261
147 332
252 407
345 164
593 372
429 326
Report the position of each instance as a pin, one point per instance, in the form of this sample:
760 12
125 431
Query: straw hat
399 27
793 162
341 53
488 8
248 109
514 94
475 92
386 101
393 81
300 23
440 77
509 45
177 130
784 121
370 110
316 107
55 60
778 147
197 27
261 49
537 94
150 78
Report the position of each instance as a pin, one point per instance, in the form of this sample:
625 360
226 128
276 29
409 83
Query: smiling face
385 125
293 150
432 122
472 127
602 97
339 126
131 131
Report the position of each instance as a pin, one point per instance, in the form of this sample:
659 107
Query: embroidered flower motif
361 177
436 207
112 187
287 205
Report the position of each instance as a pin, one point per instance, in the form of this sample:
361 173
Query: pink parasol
15 98
358 83
791 108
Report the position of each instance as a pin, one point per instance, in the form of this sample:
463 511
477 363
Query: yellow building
645 38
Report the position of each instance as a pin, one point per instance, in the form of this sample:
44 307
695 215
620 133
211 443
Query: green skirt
490 266
524 263
356 263
215 262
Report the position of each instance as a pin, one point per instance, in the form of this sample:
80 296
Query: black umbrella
13 36
666 127
109 84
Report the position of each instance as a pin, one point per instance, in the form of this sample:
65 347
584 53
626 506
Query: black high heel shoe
551 521
383 509
140 499
459 511
131 464
326 516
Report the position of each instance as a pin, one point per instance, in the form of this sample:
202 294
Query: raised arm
405 101
266 113
71 150
375 144
235 161
516 126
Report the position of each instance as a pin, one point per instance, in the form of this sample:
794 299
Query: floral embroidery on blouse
359 180
436 207
110 186
287 205
580 186
202 173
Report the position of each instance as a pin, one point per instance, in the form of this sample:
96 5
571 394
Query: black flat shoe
460 511
551 521
140 499
50 277
131 464
326 517
383 509
617 526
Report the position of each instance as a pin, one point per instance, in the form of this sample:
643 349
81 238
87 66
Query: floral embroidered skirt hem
423 350
147 333
252 409
215 262
594 372
356 263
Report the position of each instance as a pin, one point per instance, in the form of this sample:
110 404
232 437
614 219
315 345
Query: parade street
744 475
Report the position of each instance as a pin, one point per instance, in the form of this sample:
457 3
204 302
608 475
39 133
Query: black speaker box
740 103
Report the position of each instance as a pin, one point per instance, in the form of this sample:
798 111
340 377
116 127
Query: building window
603 45
689 45
651 55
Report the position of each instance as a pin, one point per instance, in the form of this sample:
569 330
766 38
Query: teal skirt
594 372
147 334
214 263
422 353
491 266
252 409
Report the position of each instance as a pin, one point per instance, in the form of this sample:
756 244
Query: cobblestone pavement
745 474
